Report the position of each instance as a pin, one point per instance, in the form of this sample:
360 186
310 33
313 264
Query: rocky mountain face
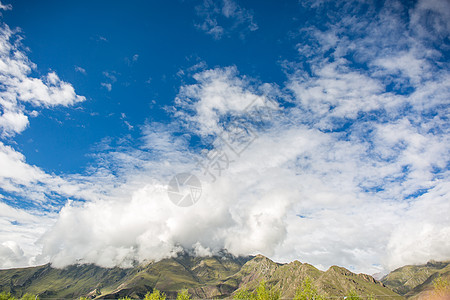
206 277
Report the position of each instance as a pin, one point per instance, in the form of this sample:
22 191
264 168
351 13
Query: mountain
204 277
416 281
336 281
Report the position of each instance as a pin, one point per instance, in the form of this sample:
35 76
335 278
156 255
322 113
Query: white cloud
12 122
18 232
431 19
123 116
111 78
5 6
19 88
218 93
254 207
20 91
342 174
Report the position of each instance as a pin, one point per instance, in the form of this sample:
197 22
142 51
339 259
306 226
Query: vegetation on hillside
155 295
262 292
441 288
183 295
415 279
307 291
8 296
206 277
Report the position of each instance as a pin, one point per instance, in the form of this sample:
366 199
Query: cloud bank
351 169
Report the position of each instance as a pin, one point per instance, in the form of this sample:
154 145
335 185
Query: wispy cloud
111 77
132 60
123 117
107 86
5 6
80 70
216 14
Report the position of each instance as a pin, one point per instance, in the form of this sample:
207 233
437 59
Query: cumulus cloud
350 168
19 89
219 93
222 17
19 229
324 197
21 95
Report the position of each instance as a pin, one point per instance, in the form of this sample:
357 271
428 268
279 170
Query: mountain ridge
204 277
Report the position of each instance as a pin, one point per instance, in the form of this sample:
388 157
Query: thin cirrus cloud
111 77
360 153
220 18
80 70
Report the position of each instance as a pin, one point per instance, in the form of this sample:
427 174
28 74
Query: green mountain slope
169 275
204 277
415 280
286 278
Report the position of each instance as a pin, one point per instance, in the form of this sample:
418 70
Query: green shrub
29 296
307 291
183 295
6 296
155 295
262 292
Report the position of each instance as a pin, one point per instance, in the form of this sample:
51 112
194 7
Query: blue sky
104 37
103 103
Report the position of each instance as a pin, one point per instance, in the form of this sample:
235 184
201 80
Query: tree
125 298
155 295
262 292
183 295
307 291
6 296
29 296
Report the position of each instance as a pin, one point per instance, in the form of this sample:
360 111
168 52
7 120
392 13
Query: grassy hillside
417 280
169 275
204 277
286 278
